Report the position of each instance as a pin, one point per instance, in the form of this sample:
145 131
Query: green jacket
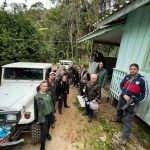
102 75
39 106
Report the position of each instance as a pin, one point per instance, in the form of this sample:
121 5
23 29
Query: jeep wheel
35 132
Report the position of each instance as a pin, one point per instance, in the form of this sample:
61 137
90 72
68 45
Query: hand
126 97
83 90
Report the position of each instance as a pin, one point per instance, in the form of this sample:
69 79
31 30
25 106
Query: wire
32 40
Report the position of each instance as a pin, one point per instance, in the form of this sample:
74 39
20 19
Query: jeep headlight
11 117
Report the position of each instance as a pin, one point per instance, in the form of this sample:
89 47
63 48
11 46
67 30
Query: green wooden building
130 28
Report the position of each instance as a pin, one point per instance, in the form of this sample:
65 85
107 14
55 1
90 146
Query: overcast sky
46 3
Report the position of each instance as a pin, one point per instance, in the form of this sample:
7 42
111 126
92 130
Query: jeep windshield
23 74
67 63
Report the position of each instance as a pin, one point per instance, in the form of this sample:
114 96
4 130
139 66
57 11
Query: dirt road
65 130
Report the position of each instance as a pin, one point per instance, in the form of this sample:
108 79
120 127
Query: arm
88 76
142 94
35 109
98 94
67 88
58 89
122 83
51 103
104 80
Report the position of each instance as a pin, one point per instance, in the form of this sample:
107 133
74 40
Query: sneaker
49 137
123 140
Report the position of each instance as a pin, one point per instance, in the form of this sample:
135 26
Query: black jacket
92 91
62 88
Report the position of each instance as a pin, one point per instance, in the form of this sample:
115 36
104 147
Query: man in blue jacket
133 91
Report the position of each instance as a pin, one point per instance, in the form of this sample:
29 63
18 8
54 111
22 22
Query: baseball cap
52 73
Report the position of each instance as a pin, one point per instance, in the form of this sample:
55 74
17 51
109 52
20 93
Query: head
62 72
101 65
93 78
43 86
64 78
84 67
78 67
52 76
134 69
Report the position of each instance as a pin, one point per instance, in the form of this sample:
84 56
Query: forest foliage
46 35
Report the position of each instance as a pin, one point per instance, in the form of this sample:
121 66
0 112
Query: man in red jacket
133 91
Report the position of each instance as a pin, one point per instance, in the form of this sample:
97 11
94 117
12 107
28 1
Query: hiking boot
115 120
60 110
67 106
53 125
89 120
42 148
49 137
123 140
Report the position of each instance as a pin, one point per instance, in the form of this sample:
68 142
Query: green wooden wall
135 48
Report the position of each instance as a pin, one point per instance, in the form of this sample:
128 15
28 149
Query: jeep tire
35 133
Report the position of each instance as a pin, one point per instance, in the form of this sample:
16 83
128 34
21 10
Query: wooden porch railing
115 83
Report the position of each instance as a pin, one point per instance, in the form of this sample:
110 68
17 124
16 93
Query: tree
19 39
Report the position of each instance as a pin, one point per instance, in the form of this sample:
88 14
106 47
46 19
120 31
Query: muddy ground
73 132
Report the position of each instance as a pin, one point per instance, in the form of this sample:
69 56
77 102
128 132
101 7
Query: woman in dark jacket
43 112
102 75
62 92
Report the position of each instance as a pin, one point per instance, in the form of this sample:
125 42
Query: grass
144 135
77 105
91 132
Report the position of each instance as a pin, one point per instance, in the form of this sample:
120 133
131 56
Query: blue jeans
89 111
126 117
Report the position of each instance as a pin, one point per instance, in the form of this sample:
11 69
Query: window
47 73
23 74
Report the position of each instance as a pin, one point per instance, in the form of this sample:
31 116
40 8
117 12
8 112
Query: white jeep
18 87
65 63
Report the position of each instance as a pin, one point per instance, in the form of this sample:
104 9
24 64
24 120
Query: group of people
89 86
48 93
132 92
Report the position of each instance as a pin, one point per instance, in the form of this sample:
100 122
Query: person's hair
84 66
38 87
135 65
64 76
94 75
98 69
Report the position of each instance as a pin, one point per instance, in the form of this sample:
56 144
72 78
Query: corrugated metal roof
109 33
